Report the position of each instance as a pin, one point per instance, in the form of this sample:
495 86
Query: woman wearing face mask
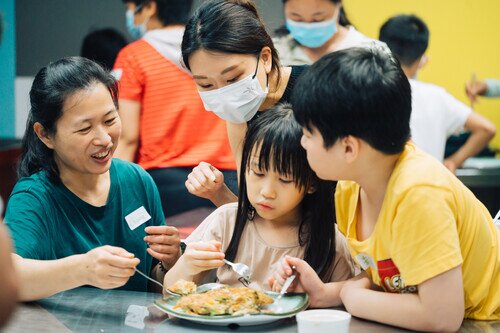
315 28
237 72
165 127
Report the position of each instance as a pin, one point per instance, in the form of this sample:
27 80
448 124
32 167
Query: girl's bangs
281 153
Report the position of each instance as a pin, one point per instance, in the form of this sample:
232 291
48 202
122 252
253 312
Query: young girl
283 209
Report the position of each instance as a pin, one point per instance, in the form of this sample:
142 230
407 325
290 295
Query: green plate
287 306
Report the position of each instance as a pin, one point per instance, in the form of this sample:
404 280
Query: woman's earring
311 190
251 213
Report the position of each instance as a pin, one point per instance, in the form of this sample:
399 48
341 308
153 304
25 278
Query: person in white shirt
315 28
436 114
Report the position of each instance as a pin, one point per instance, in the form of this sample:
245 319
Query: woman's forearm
224 196
176 273
43 278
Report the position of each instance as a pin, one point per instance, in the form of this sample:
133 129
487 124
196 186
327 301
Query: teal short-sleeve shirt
47 221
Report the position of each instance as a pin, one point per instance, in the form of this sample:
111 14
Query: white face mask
237 102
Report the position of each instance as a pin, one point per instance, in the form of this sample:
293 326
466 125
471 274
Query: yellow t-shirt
429 223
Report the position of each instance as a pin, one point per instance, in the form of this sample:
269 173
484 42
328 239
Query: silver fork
242 270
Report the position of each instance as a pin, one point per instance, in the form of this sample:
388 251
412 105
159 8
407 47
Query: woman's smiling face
87 133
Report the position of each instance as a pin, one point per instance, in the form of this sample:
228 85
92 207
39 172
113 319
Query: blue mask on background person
136 31
314 34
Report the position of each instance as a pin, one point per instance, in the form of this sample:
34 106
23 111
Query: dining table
89 309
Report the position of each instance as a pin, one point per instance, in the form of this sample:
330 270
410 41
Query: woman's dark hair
278 135
103 46
228 26
53 84
169 11
343 20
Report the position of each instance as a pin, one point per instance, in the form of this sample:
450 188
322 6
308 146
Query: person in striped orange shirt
166 129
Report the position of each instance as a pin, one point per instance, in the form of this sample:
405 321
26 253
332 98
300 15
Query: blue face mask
136 31
312 35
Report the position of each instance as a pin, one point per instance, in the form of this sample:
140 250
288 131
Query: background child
416 230
436 115
283 208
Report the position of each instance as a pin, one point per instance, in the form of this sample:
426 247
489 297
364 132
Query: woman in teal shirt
77 216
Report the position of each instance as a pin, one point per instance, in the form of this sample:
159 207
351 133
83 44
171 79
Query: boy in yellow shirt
429 249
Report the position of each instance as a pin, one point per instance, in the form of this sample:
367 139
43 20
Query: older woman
77 216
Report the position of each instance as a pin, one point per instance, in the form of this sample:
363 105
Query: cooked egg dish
182 287
225 301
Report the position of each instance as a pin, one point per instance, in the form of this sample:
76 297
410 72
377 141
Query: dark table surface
95 310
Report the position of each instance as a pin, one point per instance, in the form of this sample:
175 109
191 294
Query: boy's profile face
327 163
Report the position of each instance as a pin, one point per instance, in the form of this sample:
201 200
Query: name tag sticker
137 217
135 316
365 261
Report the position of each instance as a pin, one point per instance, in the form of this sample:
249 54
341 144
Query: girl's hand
306 281
108 267
202 256
205 181
164 244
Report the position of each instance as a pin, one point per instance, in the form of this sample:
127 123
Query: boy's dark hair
103 46
360 92
169 11
407 36
277 135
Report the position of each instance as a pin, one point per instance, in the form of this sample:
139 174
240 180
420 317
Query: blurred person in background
436 114
166 129
315 28
8 278
102 46
486 88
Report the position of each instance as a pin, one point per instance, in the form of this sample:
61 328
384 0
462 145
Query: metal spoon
276 306
199 290
287 283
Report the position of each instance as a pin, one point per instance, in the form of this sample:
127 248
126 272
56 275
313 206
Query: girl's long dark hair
52 85
278 135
